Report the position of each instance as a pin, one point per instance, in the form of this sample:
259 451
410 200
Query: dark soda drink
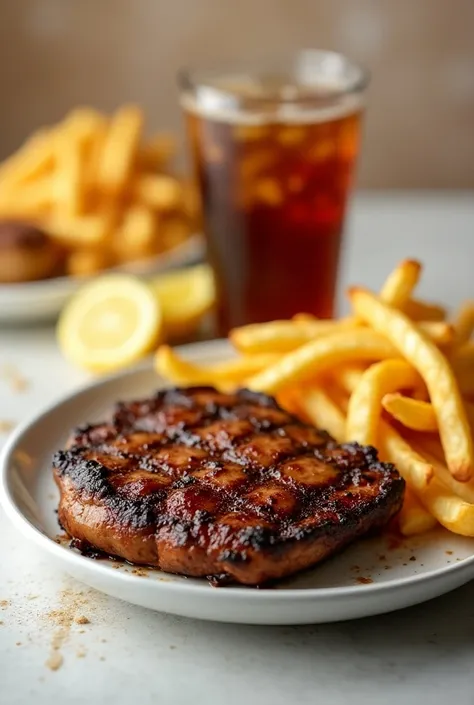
274 162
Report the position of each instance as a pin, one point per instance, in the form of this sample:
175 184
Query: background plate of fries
91 193
375 575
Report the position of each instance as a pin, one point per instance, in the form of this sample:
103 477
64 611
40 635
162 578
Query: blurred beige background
55 54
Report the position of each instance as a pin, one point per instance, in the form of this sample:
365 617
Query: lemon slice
110 323
185 296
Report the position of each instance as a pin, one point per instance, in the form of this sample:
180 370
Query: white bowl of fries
104 194
396 375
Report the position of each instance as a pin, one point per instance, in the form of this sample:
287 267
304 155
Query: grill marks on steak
203 483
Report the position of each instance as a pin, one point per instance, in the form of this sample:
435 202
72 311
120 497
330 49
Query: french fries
31 161
30 201
119 149
365 404
172 367
158 191
321 354
324 412
415 469
68 185
435 370
412 413
464 490
92 181
396 374
424 311
451 511
136 234
282 336
414 518
464 322
400 283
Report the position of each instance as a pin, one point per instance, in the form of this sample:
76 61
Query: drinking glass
273 148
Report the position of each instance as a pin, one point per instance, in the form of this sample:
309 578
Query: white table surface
127 654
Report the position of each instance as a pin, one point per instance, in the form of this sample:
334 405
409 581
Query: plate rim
143 266
16 516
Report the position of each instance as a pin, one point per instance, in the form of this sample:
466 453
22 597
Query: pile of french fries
98 187
396 375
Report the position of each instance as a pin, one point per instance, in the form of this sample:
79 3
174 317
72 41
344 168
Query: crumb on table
81 620
14 378
6 425
55 661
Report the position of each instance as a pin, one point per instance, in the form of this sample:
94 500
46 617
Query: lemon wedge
110 323
185 296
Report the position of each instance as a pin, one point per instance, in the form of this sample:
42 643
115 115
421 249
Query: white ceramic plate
41 300
374 576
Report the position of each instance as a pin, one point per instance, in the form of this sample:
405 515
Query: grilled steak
203 483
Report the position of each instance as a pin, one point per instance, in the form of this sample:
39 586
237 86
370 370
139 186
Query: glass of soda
273 149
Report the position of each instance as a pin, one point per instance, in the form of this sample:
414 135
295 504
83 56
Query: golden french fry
30 200
281 336
418 414
84 262
399 285
323 411
413 518
156 154
120 149
79 144
348 376
464 322
439 332
319 355
432 451
31 161
158 191
412 466
365 403
136 235
93 151
462 361
172 367
395 291
451 511
412 413
424 311
84 123
436 371
68 177
81 231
